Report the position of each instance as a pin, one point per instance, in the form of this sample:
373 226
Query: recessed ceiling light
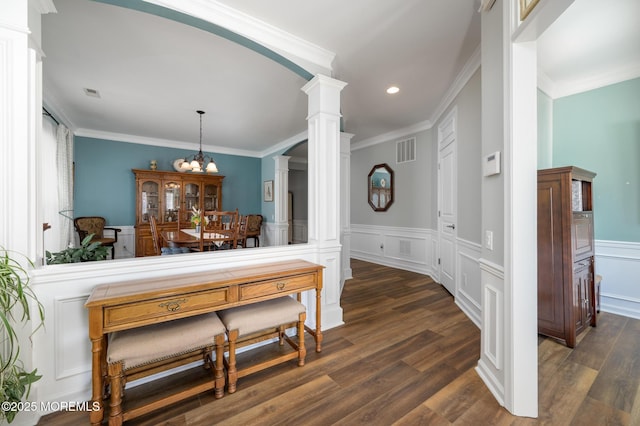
392 90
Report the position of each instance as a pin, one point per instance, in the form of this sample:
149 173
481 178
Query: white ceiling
593 44
153 73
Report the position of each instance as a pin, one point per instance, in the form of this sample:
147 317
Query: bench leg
218 367
302 351
115 404
232 372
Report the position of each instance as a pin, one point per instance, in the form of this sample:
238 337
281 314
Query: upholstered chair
254 225
96 225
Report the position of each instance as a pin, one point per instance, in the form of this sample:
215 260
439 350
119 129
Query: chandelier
197 162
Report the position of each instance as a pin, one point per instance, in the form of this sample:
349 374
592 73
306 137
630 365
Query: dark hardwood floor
406 356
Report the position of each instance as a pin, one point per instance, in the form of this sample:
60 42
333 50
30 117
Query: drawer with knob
149 311
279 286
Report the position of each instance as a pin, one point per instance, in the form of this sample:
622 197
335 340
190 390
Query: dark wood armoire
566 293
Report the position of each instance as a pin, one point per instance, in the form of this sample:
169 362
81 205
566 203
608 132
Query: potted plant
15 298
88 251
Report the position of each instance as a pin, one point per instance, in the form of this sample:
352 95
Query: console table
136 303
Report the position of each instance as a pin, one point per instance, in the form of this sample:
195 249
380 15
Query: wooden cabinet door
552 297
149 200
144 241
582 235
211 196
582 303
192 197
147 248
172 199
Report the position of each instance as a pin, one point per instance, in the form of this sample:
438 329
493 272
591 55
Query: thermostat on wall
491 164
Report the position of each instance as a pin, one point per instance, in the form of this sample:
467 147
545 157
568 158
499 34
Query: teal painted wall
599 131
105 186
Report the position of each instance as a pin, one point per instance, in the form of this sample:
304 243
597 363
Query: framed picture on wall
526 6
268 190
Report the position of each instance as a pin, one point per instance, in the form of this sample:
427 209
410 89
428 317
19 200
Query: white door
447 196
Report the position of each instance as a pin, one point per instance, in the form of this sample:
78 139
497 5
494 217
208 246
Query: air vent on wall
405 247
91 92
406 150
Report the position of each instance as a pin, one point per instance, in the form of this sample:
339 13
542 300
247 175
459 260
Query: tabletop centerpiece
197 217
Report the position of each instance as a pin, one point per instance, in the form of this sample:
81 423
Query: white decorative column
324 188
17 138
20 102
280 191
345 205
508 361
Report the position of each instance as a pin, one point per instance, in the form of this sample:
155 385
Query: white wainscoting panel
268 232
490 367
299 231
62 349
469 292
619 264
416 250
404 248
125 247
70 334
435 252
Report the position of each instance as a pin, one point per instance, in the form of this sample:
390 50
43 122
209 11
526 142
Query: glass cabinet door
211 197
191 198
171 201
149 202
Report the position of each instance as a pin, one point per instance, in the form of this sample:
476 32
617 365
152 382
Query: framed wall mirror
380 184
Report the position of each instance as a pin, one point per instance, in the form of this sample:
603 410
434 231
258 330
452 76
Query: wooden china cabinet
566 292
165 195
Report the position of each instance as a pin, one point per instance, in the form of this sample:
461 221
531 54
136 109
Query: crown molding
396 134
43 6
557 90
192 146
468 70
308 55
167 143
546 85
53 106
282 146
486 5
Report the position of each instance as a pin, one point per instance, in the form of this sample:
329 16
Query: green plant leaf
15 292
88 251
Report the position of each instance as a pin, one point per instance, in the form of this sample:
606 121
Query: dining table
189 237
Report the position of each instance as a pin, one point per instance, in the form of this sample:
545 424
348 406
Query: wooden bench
129 305
140 352
259 322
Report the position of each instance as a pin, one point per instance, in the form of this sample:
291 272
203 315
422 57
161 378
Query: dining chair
219 230
155 235
95 225
242 231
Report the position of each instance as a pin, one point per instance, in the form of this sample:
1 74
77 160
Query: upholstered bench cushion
143 345
259 316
